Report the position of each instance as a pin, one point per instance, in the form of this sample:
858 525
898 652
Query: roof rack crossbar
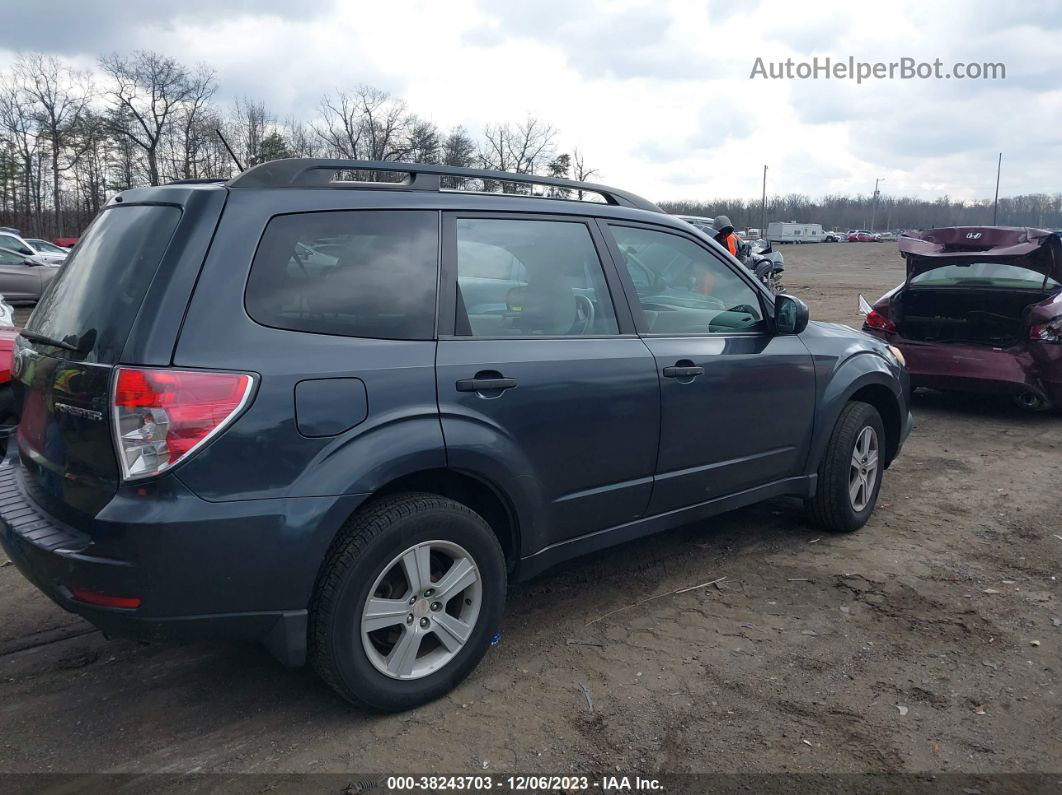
313 172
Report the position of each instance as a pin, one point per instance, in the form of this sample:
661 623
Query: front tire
407 602
851 469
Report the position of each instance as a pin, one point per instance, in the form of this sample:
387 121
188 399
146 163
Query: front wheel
408 602
851 469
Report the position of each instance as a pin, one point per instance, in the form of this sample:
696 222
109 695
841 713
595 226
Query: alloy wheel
863 474
421 610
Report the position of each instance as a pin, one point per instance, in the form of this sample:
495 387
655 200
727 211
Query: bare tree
366 124
340 128
189 121
20 128
251 123
60 96
89 140
523 148
147 88
302 141
580 170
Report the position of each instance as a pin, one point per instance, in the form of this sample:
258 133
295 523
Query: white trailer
793 232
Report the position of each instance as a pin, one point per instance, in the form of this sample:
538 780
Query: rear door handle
683 371
485 384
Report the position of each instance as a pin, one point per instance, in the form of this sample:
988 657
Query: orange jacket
732 243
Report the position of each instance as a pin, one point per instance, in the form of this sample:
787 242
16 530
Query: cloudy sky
656 93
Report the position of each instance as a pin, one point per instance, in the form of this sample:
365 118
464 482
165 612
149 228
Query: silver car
20 245
23 277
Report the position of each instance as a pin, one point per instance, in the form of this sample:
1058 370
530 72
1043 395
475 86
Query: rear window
94 299
353 273
985 274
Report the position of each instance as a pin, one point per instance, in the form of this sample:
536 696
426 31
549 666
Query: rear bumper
242 570
1032 367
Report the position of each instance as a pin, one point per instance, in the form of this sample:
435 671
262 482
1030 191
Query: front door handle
683 370
480 384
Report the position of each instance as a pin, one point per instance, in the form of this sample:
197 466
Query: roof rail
195 181
312 172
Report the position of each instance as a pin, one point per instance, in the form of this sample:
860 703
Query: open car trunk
975 284
976 315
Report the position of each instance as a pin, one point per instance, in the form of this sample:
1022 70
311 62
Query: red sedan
979 311
860 236
8 418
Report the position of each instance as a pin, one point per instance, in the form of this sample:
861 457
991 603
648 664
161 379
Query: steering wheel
298 260
656 282
584 314
744 309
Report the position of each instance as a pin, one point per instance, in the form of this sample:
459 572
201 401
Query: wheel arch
881 398
474 492
470 490
865 378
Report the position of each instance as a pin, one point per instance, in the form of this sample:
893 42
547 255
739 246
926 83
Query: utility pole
995 201
874 203
763 217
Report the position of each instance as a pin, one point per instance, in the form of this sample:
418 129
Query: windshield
985 274
44 245
93 301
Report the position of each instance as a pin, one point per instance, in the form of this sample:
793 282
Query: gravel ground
927 642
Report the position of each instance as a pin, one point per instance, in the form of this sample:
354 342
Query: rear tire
851 469
410 659
1030 401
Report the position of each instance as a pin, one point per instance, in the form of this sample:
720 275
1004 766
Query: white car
12 242
46 247
699 221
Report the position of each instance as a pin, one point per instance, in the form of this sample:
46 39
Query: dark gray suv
340 416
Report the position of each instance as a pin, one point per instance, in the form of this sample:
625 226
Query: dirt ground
927 642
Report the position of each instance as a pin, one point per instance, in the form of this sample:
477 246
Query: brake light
877 320
1047 332
162 416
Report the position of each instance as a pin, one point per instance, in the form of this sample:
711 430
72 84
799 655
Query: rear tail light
1047 332
877 320
163 416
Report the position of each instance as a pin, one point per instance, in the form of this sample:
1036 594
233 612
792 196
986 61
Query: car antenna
228 149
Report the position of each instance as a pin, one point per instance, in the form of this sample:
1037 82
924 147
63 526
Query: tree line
69 140
889 213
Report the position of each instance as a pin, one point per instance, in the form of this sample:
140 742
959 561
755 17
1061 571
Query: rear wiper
33 336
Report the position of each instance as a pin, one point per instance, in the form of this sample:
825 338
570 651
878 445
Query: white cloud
656 93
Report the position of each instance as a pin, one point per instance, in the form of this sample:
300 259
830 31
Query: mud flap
287 639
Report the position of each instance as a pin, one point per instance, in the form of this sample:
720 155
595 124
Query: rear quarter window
351 273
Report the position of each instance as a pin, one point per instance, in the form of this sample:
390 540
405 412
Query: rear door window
95 298
351 273
530 277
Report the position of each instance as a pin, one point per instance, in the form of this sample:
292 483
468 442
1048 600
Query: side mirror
33 261
864 306
790 314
